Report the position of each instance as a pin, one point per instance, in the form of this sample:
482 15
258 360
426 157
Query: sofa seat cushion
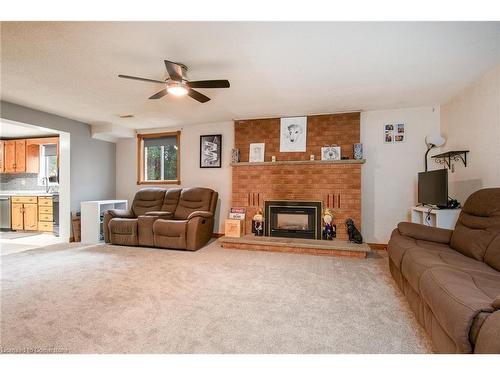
418 260
399 245
456 298
123 231
170 234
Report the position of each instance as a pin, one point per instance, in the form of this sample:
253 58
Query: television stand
435 217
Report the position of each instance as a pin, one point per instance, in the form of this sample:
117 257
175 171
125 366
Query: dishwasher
4 213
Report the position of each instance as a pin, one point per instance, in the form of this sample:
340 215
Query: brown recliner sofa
451 278
172 219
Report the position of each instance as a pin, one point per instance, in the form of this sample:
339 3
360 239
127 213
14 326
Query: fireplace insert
293 219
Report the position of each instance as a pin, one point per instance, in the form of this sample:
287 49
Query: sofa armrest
204 214
111 214
127 214
423 232
488 338
160 214
496 303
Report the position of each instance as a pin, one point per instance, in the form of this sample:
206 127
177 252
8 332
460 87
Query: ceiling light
177 89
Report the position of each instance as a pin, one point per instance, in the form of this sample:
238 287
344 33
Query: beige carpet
111 299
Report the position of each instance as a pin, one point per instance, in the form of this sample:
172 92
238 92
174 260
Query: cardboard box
234 228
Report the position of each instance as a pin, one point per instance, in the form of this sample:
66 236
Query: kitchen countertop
23 193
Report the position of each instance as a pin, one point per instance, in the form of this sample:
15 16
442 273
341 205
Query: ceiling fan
178 85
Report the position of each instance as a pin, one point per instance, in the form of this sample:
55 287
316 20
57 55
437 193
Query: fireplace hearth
293 219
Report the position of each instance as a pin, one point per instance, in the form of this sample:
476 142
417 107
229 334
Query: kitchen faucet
45 181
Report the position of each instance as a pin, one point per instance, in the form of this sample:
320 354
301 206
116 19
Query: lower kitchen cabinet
24 213
16 216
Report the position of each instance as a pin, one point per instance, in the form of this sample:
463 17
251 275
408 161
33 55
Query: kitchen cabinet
32 157
15 156
45 214
16 216
33 146
1 156
24 213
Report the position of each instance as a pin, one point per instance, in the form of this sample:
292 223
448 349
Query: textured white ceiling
14 130
275 69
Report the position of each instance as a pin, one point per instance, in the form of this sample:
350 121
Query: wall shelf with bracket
449 157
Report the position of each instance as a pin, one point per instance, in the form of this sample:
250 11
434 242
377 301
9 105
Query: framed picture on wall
293 134
211 151
394 133
256 154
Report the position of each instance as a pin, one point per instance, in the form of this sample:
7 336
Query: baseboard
217 235
378 246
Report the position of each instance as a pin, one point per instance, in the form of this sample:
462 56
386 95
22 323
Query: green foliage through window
160 156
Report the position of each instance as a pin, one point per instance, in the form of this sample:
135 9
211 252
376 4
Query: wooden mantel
299 162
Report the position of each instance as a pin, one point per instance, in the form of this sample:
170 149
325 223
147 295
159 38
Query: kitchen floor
16 245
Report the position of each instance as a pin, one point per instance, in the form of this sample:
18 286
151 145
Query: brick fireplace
337 185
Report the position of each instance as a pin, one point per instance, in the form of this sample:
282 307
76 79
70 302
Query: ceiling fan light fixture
177 89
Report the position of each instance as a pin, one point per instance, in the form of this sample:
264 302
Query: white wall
192 175
471 121
389 177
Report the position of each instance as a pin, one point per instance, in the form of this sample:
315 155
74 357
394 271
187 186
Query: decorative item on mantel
358 151
330 152
256 152
235 155
258 223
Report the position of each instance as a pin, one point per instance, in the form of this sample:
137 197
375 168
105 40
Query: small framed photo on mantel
211 151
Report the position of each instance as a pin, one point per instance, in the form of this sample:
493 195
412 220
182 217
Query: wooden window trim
140 158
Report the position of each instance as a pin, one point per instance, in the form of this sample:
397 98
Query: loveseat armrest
160 214
423 232
204 214
111 214
126 214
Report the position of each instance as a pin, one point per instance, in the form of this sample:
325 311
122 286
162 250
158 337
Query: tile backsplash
19 181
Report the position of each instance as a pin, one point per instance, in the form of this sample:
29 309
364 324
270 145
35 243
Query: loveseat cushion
171 199
194 199
123 231
478 225
148 199
170 234
456 297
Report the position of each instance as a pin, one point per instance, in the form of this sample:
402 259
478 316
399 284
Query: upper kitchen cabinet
2 168
37 148
15 156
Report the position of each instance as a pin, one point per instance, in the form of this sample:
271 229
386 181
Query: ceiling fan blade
209 84
174 70
198 96
159 94
140 79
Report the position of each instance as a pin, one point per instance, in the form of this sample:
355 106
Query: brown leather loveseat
451 278
172 219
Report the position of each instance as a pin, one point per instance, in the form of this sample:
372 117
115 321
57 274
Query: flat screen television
433 187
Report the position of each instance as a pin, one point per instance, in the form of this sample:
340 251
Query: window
158 158
48 165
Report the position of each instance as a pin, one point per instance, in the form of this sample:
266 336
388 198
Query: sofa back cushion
478 225
194 199
148 199
171 200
